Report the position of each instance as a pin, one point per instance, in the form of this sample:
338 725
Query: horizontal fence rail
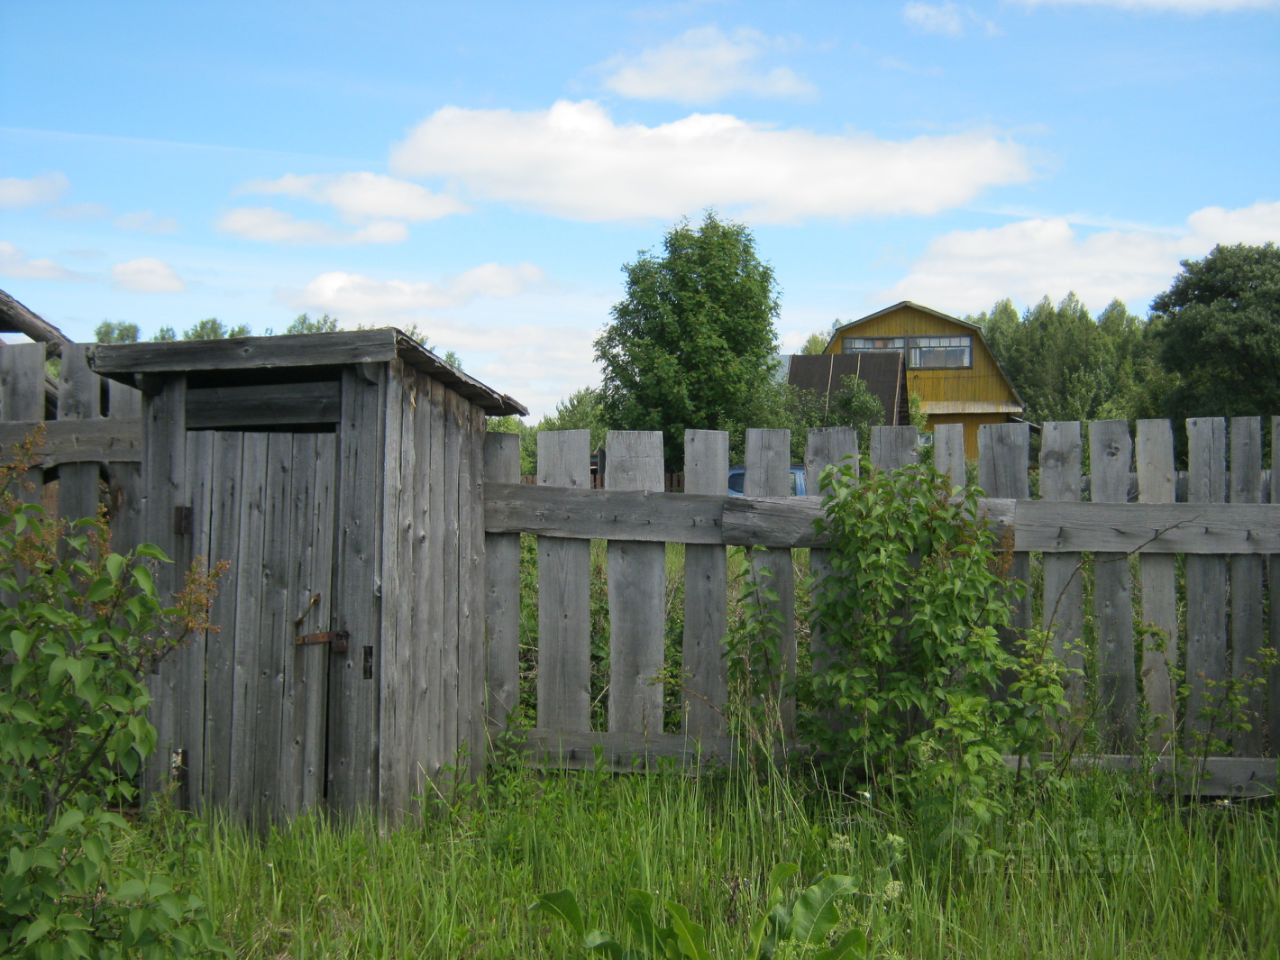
1120 529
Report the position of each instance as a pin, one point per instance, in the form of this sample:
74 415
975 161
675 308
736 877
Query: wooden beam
245 353
79 441
1040 526
16 317
263 405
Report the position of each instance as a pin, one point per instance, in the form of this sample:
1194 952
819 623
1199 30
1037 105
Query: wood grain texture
226 473
453 702
16 316
564 626
893 447
246 353
768 474
706 594
1156 484
1273 569
502 584
22 399
164 480
192 658
474 586
1004 453
353 695
583 513
948 452
395 629
1248 632
637 592
1111 459
1063 602
263 406
79 389
1206 582
79 441
438 754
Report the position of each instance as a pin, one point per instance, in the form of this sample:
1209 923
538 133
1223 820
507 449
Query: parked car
738 479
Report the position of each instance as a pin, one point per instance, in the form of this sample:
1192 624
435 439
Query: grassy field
1095 868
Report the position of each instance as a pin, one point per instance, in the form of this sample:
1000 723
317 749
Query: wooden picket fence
1224 525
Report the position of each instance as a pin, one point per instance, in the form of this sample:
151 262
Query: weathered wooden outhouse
339 475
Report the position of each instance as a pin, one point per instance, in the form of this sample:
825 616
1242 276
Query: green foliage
80 630
693 340
165 334
211 328
911 618
115 331
816 345
811 923
303 323
1218 333
1068 366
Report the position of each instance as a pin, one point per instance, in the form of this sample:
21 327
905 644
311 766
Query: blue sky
485 170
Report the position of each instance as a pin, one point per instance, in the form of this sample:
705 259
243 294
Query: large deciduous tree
1218 330
693 340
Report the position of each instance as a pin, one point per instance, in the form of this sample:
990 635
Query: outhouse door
268 502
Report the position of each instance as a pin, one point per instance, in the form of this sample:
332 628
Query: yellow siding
982 383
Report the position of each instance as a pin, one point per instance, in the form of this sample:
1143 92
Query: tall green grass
1090 869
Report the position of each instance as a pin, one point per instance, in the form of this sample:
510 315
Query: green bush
80 629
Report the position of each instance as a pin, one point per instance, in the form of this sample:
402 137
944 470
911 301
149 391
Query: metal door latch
336 639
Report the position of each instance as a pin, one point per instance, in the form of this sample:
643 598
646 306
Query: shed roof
125 360
884 373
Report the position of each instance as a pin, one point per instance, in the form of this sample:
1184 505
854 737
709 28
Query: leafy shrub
80 629
923 687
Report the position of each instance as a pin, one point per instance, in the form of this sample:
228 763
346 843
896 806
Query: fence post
706 594
1110 459
78 390
637 592
1206 576
502 598
564 604
1063 607
1246 585
768 474
1156 484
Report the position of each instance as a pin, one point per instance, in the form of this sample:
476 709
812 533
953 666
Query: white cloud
268 225
969 270
361 299
80 211
574 161
703 65
944 18
30 192
145 221
15 263
1161 6
362 196
147 275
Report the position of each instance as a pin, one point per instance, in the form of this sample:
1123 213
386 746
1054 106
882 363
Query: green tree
212 328
115 331
816 344
165 334
1217 331
302 323
693 340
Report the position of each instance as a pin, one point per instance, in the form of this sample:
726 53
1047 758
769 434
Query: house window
873 344
929 353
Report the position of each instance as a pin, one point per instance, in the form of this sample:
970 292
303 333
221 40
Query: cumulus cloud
360 298
147 275
1163 6
703 65
362 196
268 225
574 161
969 270
145 221
32 191
15 263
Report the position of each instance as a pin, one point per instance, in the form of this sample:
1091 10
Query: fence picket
893 447
948 452
1062 611
768 474
637 589
1206 579
1273 720
1247 630
1110 461
78 399
1156 484
502 575
1004 452
706 471
564 615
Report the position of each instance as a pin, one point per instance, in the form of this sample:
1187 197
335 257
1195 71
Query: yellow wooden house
949 365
